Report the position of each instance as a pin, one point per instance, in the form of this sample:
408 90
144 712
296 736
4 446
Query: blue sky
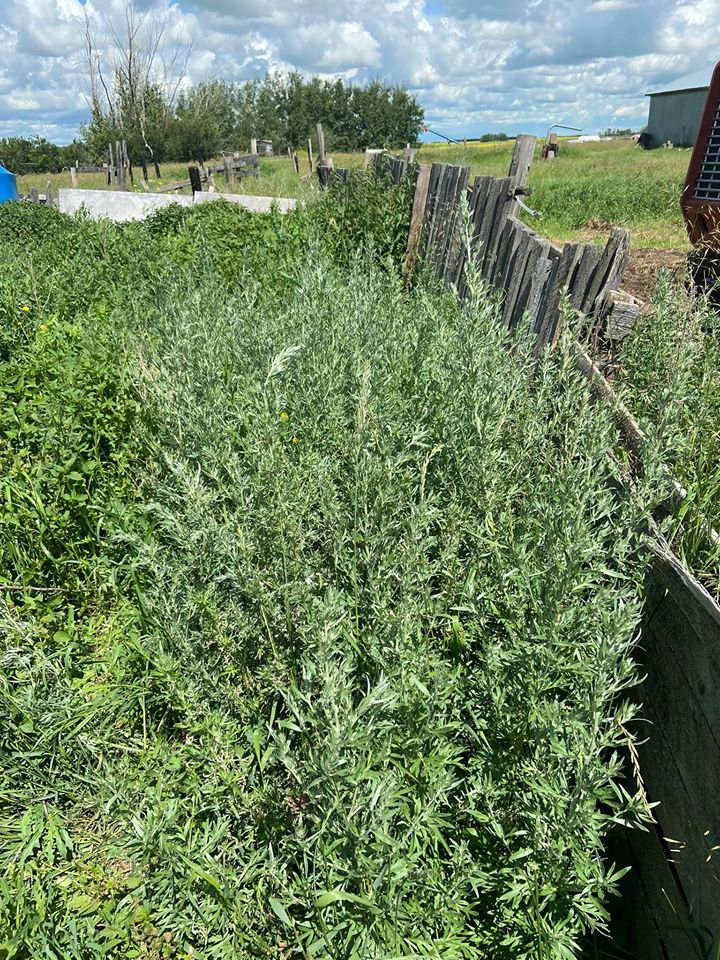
475 65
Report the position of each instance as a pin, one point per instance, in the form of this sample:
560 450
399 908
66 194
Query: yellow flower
295 440
284 416
43 327
25 309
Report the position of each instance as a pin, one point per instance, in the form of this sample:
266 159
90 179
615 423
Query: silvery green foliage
400 597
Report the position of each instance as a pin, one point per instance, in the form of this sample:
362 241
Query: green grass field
587 189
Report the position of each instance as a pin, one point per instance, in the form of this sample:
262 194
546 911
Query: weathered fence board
522 159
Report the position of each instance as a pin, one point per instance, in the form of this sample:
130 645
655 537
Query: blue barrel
8 186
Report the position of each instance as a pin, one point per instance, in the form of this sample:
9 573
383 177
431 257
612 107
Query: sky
476 66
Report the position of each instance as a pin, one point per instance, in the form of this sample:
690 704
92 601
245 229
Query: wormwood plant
348 678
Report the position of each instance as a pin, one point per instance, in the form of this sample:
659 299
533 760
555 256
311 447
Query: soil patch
640 277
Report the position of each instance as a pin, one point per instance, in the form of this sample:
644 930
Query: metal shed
676 110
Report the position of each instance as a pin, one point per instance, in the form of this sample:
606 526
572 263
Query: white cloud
475 65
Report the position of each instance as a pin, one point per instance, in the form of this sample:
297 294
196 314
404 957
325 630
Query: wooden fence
671 899
531 271
232 167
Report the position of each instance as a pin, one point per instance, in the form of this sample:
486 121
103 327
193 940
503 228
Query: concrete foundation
119 205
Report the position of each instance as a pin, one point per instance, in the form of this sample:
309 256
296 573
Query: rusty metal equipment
700 200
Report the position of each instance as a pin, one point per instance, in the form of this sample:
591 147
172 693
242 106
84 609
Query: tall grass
668 371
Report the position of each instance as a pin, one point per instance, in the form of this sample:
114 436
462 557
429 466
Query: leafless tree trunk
125 60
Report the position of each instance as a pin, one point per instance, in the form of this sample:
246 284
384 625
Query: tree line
216 116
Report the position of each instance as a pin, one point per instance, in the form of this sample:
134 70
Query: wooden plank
445 215
481 191
548 325
229 174
128 165
437 185
479 184
695 636
510 237
451 246
417 218
610 268
619 312
176 185
663 900
310 154
503 208
589 259
528 255
521 160
120 165
514 266
689 837
494 195
632 435
538 251
369 158
321 143
253 145
539 288
479 205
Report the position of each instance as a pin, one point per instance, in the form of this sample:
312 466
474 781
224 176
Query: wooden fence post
195 181
325 172
253 145
296 162
521 159
157 170
321 144
128 164
228 171
310 154
120 163
74 177
417 218
49 199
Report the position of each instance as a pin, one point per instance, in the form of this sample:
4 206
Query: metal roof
697 80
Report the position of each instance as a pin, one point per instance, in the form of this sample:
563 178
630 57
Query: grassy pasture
316 605
588 188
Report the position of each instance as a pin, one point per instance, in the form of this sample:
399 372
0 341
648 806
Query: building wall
675 116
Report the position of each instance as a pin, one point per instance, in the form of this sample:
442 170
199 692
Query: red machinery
700 201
